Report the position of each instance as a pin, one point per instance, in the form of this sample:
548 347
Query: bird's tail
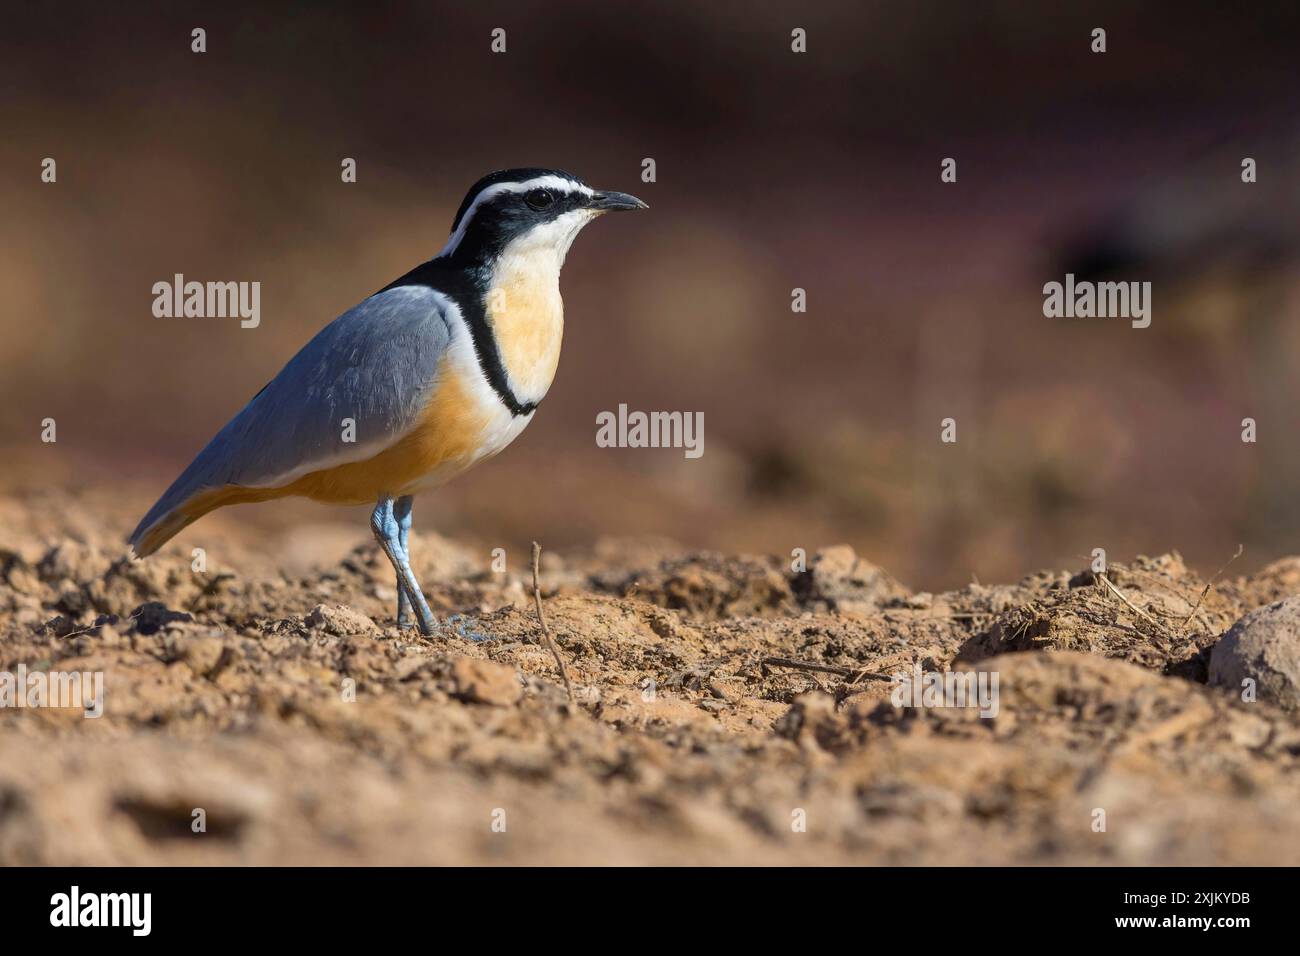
151 535
182 504
197 491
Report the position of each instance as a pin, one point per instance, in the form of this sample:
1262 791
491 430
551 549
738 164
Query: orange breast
447 439
527 317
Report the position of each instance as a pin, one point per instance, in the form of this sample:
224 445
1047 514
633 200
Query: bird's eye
539 198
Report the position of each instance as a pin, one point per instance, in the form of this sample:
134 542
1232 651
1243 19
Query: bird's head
535 211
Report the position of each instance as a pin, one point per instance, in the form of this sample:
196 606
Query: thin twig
541 618
824 668
1120 594
95 627
922 617
1209 584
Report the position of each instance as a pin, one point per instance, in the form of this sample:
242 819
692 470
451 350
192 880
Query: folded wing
375 365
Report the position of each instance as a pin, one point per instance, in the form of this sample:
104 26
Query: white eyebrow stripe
558 183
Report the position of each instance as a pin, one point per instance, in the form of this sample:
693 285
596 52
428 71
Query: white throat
544 247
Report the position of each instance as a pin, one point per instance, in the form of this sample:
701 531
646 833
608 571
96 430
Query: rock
1002 599
722 692
812 722
22 577
340 620
73 601
72 561
201 653
409 666
485 682
845 582
1247 731
60 626
512 593
152 617
707 586
1274 582
1263 646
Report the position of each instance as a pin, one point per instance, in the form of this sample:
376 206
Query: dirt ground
286 705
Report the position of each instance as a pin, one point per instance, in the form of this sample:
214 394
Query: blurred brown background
775 170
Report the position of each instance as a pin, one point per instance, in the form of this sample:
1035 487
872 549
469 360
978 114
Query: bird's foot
405 621
388 531
418 615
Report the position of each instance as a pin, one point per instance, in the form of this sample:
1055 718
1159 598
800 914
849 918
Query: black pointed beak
610 200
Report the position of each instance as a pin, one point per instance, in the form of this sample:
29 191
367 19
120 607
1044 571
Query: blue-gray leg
388 531
402 511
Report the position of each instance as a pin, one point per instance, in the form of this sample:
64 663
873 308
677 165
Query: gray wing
375 364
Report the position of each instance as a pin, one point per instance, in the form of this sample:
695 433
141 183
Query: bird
437 371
